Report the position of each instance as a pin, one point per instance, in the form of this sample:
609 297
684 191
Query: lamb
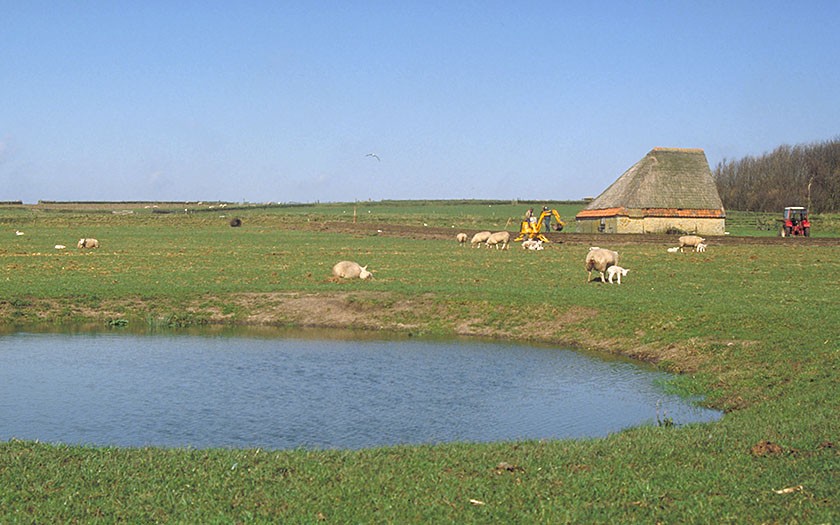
498 238
690 241
600 259
674 249
88 243
701 247
479 238
532 244
461 238
350 270
616 271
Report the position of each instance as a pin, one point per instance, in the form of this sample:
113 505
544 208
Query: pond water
279 393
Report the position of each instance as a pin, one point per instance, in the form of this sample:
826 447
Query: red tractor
796 222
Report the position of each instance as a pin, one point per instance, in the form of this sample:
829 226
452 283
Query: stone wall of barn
623 224
700 226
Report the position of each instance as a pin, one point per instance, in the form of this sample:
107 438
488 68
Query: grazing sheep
479 238
461 238
532 244
88 243
616 271
701 247
600 259
498 238
690 241
674 249
350 270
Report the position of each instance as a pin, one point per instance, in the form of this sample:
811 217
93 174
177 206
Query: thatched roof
666 182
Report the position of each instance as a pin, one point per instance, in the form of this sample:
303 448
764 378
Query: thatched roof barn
669 190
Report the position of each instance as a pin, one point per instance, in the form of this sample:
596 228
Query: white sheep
701 247
498 239
532 244
350 270
60 247
690 241
461 238
616 271
600 259
479 238
88 243
674 249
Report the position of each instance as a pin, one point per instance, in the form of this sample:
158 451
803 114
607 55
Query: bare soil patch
766 448
339 310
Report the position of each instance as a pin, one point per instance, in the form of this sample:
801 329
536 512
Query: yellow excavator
531 230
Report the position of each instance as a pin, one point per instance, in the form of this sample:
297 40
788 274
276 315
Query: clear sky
283 101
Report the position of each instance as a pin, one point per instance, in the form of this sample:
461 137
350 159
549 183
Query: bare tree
787 176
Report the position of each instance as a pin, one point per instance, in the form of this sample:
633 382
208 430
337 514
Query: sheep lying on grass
479 238
690 241
675 249
88 243
350 270
461 238
616 271
600 259
498 239
532 244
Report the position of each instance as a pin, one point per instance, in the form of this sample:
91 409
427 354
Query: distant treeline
803 175
177 203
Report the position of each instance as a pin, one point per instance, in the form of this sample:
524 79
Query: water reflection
277 393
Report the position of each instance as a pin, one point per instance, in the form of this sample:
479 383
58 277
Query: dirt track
423 232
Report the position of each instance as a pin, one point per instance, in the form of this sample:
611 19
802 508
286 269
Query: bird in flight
374 155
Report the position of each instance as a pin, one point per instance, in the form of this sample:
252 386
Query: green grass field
751 327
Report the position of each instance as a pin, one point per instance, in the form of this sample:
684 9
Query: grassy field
753 328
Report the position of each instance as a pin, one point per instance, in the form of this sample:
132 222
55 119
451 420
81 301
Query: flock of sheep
602 260
496 240
83 242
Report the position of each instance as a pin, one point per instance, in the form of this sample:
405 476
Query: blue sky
282 101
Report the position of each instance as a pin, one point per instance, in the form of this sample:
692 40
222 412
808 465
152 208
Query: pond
237 391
